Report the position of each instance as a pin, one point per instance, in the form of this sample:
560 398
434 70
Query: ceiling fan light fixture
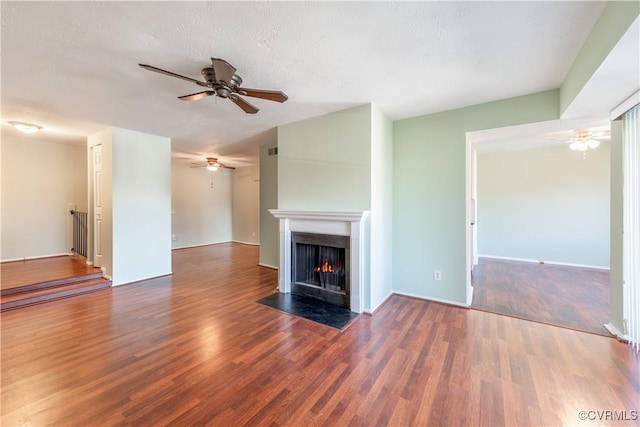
593 143
212 168
25 127
575 145
583 141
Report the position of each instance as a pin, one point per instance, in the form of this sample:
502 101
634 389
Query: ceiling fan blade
224 166
169 73
224 71
246 106
197 96
271 95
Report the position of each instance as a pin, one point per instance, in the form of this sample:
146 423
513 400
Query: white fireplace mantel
339 223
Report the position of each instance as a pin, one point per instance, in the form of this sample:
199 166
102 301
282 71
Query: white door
474 208
97 206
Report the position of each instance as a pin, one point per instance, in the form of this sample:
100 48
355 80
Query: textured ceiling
72 66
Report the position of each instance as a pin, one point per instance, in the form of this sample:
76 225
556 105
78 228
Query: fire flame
325 267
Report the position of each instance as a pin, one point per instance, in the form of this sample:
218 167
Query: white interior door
474 209
97 206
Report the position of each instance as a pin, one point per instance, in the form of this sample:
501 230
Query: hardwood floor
38 281
571 297
196 349
15 274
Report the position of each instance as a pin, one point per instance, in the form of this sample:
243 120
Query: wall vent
272 151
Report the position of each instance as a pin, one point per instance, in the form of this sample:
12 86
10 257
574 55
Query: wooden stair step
37 296
52 283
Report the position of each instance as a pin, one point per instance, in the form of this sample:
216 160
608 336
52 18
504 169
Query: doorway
538 244
96 205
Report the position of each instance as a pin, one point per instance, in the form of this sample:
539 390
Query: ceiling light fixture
583 142
25 127
212 168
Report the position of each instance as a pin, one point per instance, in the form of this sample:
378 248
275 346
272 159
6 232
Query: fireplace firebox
320 267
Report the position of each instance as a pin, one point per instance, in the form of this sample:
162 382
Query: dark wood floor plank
572 297
196 349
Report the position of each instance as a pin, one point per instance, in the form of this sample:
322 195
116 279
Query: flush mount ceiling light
25 127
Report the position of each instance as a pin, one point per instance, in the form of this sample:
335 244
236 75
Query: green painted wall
324 163
269 233
429 185
343 162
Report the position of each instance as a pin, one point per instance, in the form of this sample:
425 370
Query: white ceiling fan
212 164
585 140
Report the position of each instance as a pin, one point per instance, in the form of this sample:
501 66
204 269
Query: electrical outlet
437 275
173 237
253 234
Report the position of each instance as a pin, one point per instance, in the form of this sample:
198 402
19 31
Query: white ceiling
72 66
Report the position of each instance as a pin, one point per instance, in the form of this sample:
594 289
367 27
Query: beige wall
548 204
200 205
39 181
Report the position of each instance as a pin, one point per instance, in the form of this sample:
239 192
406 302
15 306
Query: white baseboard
200 245
470 297
29 258
422 297
216 243
273 267
141 280
538 261
246 243
615 331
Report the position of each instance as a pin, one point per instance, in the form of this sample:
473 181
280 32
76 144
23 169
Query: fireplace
320 267
344 251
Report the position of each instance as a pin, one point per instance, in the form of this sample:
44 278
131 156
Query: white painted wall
201 205
141 199
545 204
39 179
245 186
381 218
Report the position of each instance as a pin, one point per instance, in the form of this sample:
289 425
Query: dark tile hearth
309 308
